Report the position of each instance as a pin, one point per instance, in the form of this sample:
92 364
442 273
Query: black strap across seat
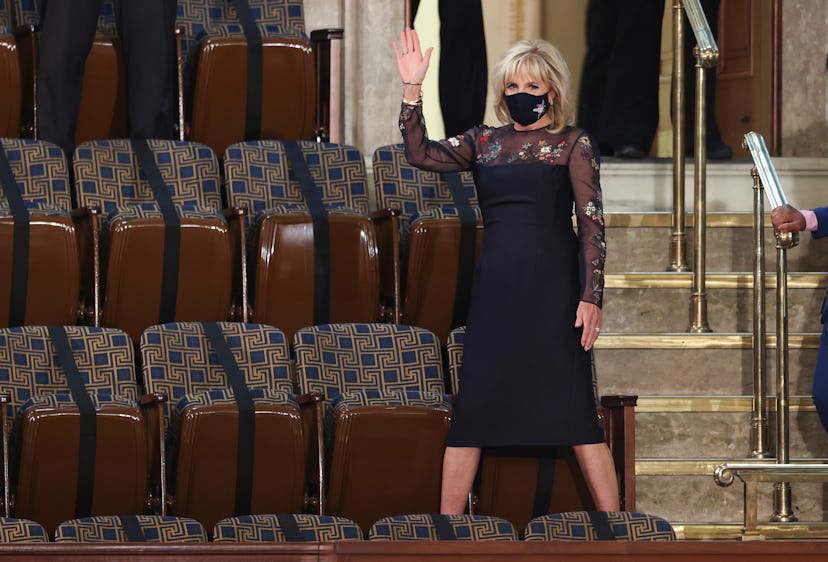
20 243
602 526
465 259
88 424
445 532
253 116
289 526
546 479
247 419
132 528
321 233
172 230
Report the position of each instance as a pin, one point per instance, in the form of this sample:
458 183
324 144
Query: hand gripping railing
782 472
707 56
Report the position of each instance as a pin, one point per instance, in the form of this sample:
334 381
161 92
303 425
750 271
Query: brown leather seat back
383 382
261 178
109 176
9 74
180 362
48 429
51 289
216 51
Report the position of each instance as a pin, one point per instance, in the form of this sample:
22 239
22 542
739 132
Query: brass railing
707 56
781 472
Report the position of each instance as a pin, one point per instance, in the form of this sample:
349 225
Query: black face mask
526 108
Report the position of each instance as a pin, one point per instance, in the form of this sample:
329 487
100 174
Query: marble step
698 499
648 184
685 364
637 309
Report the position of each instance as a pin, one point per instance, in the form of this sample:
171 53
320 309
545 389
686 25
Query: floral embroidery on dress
594 210
405 114
492 147
455 141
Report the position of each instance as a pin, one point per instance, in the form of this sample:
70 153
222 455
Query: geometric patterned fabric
205 18
41 174
576 526
178 359
399 185
421 527
108 528
21 530
26 12
455 356
266 528
29 366
338 358
6 23
107 173
259 176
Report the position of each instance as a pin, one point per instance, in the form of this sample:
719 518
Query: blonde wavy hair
542 61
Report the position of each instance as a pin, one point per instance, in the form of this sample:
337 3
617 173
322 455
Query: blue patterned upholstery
152 211
400 185
107 174
100 400
259 176
29 368
6 22
201 19
266 528
41 173
338 358
455 356
576 526
14 530
108 528
444 213
421 527
179 361
26 13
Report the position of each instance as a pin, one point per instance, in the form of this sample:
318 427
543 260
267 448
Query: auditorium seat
131 528
427 261
591 525
13 530
519 483
39 279
301 276
235 436
151 275
286 528
226 102
386 416
102 111
9 74
61 386
442 527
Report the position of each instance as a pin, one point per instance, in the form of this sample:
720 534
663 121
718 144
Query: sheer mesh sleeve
584 170
454 154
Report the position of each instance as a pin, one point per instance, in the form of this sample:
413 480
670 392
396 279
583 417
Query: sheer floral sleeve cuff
585 174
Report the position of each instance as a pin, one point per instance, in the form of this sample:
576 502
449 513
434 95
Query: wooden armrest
150 399
310 398
619 401
5 398
235 212
385 214
320 35
23 30
86 212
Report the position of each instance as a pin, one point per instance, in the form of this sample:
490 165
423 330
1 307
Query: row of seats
267 528
285 238
212 67
228 424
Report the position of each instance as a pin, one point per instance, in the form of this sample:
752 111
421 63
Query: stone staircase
695 389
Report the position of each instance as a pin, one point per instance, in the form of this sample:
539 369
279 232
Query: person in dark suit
787 218
618 97
147 33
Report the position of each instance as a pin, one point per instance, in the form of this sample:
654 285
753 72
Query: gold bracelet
413 83
414 103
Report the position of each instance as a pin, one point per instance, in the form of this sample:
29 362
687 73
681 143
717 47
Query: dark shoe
719 152
630 151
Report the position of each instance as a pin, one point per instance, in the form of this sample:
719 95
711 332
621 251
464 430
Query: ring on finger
597 330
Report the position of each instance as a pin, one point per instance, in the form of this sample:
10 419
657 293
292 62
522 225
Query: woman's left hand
588 317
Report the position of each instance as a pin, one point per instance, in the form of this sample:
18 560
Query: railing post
782 490
698 300
759 418
678 249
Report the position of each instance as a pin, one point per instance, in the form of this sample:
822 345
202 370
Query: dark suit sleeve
822 222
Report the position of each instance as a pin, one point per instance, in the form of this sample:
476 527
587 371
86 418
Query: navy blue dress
525 379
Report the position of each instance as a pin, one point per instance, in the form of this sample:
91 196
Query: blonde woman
535 311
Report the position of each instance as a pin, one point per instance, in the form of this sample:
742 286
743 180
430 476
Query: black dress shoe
630 151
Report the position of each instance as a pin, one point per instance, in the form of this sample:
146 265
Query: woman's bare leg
599 472
459 468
